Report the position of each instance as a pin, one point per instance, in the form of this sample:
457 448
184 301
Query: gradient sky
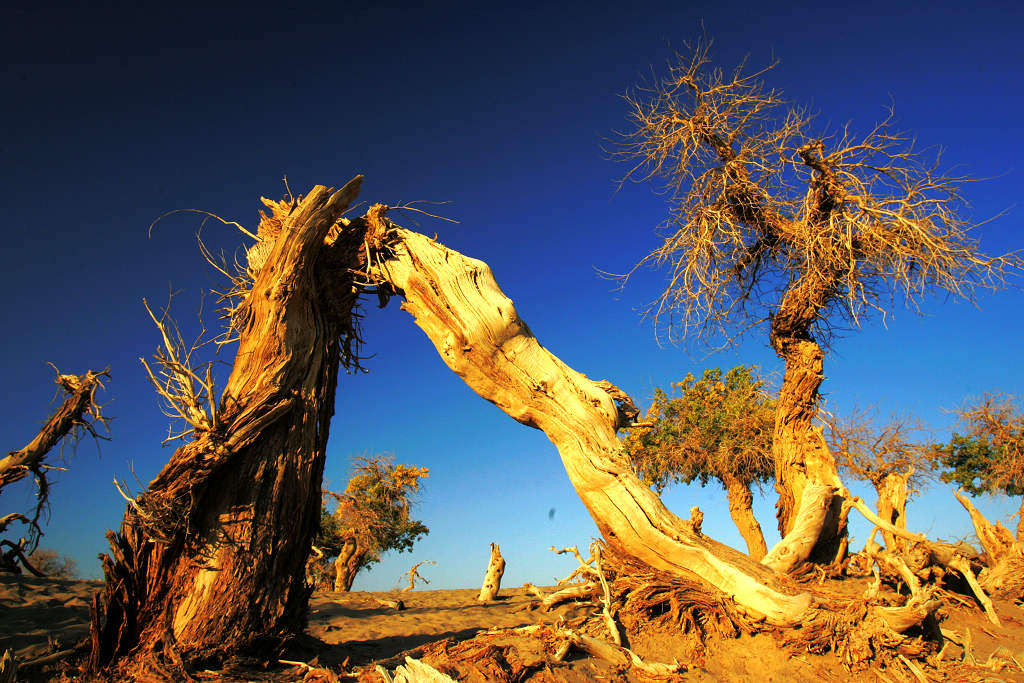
112 117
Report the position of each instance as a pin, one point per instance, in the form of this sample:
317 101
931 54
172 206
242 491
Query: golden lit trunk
481 337
1020 522
741 509
347 565
892 506
210 558
801 456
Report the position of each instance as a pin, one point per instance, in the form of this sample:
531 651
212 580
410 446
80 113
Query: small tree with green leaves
714 427
371 517
989 456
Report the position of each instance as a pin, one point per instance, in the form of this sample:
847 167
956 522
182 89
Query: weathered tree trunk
477 332
210 559
479 335
347 564
492 578
892 506
801 455
741 509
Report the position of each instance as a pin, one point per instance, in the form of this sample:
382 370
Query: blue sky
114 116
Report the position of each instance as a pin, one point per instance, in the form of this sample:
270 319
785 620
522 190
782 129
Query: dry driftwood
492 579
414 574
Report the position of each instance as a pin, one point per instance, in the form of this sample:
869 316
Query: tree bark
801 455
492 578
347 564
479 335
892 506
741 509
209 560
1020 522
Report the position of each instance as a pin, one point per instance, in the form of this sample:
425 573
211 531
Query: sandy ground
346 630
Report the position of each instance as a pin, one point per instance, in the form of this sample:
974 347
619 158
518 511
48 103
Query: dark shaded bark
209 560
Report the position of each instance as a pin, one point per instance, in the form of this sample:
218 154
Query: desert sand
348 632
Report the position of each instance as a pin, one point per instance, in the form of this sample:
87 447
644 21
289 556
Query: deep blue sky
111 117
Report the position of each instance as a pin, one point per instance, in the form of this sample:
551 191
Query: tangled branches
763 210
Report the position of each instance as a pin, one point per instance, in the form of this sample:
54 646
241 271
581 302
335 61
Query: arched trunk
892 506
741 509
802 458
479 335
210 558
347 564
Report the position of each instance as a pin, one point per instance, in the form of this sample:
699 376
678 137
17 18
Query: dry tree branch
187 389
413 574
204 213
79 414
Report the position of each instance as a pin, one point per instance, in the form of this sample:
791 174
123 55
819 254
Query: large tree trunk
802 458
210 559
476 330
479 335
741 509
892 506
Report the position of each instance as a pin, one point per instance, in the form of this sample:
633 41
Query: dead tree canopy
895 457
772 221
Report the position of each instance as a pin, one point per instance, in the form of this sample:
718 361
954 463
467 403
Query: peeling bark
479 335
209 560
741 509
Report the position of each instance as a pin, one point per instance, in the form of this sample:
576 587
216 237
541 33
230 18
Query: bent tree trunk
347 564
476 330
479 335
803 463
210 558
741 509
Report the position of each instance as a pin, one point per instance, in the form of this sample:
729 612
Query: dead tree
209 559
773 222
77 415
896 458
492 579
480 336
